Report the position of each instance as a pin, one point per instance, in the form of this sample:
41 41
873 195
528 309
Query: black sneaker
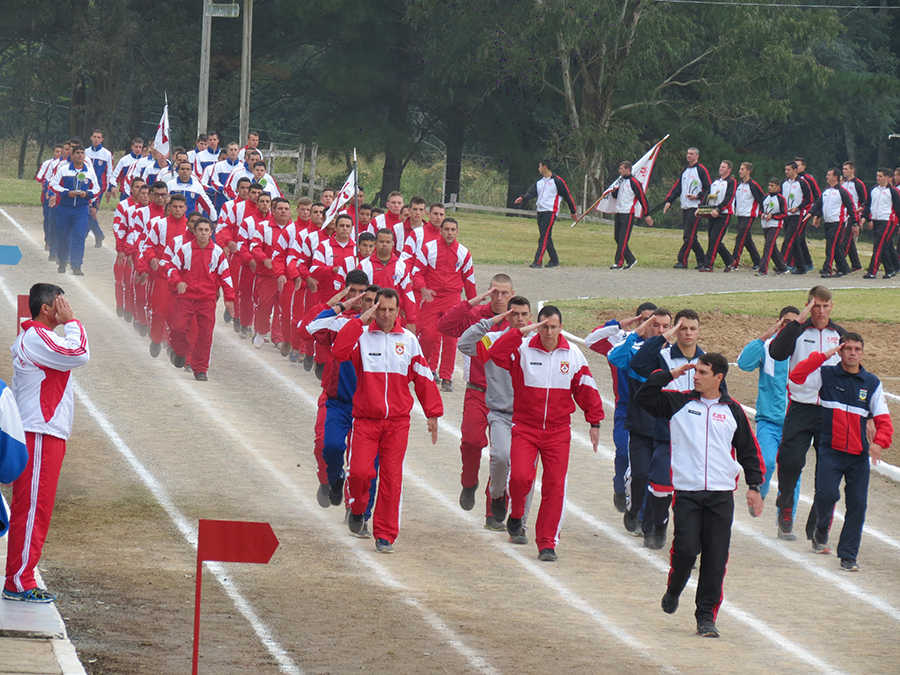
200 377
631 522
285 348
237 326
659 537
669 603
889 275
631 264
77 272
467 497
785 522
679 266
336 492
129 317
781 273
616 267
514 527
849 565
820 542
869 275
755 267
322 495
178 361
553 263
383 546
760 274
320 368
854 269
547 555
363 533
245 332
707 628
355 522
294 356
493 525
536 266
498 508
120 312
143 330
619 500
796 270
308 362
155 349
61 269
98 243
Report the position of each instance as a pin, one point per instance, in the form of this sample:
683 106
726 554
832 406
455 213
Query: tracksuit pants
319 440
128 287
384 440
119 282
34 493
702 527
848 244
160 307
649 461
71 231
716 242
266 308
338 423
437 348
689 224
552 446
302 305
185 313
802 426
744 239
794 250
141 302
768 434
622 233
245 290
620 440
545 220
834 249
50 227
473 434
234 265
501 426
770 250
832 466
883 252
286 302
94 224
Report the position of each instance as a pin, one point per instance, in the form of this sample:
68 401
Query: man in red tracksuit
247 289
549 377
300 258
270 276
231 216
387 358
124 209
385 270
444 268
392 220
155 266
291 295
453 324
199 269
143 218
141 196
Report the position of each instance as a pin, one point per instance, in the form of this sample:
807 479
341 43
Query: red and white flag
161 142
345 195
641 170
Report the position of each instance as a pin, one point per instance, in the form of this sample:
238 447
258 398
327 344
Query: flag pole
587 211
355 195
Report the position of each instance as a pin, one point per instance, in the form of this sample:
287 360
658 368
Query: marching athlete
101 161
548 190
722 191
882 208
76 186
836 208
774 211
748 198
798 197
631 203
690 190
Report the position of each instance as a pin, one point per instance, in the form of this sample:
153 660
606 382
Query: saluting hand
681 370
525 330
337 297
367 316
624 323
669 334
804 315
774 329
479 299
64 311
500 318
831 352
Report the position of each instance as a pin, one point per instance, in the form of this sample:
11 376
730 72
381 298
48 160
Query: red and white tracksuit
473 432
332 254
289 306
389 221
42 363
393 274
160 239
135 242
417 240
386 364
124 211
247 287
445 270
547 386
232 215
298 261
263 247
205 271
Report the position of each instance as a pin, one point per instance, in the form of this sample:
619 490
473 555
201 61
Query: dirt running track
153 451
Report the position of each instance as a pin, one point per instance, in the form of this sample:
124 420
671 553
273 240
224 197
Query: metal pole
245 68
312 168
584 195
203 98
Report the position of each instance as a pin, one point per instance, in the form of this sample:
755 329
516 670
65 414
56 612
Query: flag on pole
161 142
641 170
344 196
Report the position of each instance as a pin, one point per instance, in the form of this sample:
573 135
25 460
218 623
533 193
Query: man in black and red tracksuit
814 193
631 203
797 196
711 442
836 209
548 190
690 190
722 195
882 209
748 199
860 194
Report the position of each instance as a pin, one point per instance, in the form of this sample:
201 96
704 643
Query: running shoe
308 363
320 368
631 522
336 493
519 538
547 555
155 349
363 533
200 377
77 272
619 501
467 497
631 264
383 546
847 564
237 326
553 264
498 508
356 523
820 542
669 603
259 340
36 595
294 356
322 495
493 525
707 628
785 521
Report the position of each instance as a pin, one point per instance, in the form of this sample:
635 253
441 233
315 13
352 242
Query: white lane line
189 531
185 527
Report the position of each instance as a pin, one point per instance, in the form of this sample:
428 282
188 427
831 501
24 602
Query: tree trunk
850 142
45 134
456 134
398 114
23 148
521 176
882 152
134 113
76 110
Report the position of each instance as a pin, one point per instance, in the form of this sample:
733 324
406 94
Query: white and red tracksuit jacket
457 321
121 171
160 239
101 160
330 254
446 270
42 363
139 227
204 270
417 240
264 246
386 364
748 199
797 342
124 211
722 189
283 247
296 260
385 220
392 274
246 230
547 385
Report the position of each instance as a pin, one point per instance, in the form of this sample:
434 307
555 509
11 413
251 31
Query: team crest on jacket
564 367
400 348
863 394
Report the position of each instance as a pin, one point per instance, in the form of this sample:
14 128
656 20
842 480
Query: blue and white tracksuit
101 160
72 212
771 404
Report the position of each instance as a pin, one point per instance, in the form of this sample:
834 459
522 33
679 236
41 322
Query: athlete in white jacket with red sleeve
42 365
549 377
387 358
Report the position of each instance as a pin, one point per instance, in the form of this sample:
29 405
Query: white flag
641 170
161 142
342 197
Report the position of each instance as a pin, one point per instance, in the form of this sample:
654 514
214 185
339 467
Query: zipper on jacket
387 407
706 453
547 395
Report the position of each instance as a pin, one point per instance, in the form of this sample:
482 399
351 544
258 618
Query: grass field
878 304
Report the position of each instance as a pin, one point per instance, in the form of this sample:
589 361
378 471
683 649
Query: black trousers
848 240
834 248
689 224
802 426
883 252
702 527
649 462
622 232
794 249
545 237
745 239
770 250
716 243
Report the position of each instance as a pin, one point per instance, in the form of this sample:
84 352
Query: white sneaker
259 340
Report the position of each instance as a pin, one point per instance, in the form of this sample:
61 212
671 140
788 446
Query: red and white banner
345 195
161 142
641 170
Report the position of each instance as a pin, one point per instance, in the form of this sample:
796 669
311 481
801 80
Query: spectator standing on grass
42 365
549 190
850 396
